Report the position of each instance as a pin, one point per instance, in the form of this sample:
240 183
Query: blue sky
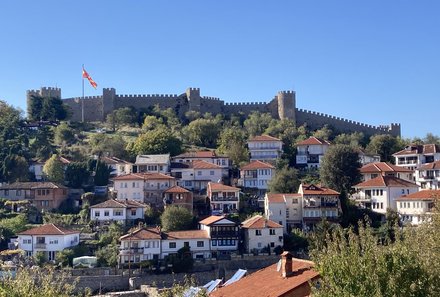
371 61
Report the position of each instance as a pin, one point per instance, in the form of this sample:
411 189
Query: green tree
54 169
121 116
15 168
101 172
77 174
202 132
64 134
256 123
46 109
108 255
232 143
176 218
323 133
356 139
158 141
431 139
285 181
112 145
385 145
152 122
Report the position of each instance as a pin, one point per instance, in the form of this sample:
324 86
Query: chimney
286 264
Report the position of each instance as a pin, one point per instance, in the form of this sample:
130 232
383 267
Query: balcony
132 251
40 246
230 198
218 234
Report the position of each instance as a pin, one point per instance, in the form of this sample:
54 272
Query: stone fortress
283 105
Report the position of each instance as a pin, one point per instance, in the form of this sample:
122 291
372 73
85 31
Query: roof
264 138
211 220
187 234
259 222
379 167
200 164
142 176
48 229
433 165
32 185
415 149
176 189
422 195
386 181
257 165
152 159
142 233
221 187
268 282
114 160
275 198
199 154
317 190
313 141
112 203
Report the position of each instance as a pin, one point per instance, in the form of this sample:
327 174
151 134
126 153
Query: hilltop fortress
283 105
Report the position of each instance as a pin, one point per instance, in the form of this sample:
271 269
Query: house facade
256 174
376 169
208 156
118 166
124 211
261 233
414 156
416 208
178 196
224 234
381 192
428 175
275 207
265 148
196 175
310 152
198 242
49 239
153 163
223 198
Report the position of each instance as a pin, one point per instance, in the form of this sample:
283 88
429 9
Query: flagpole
82 101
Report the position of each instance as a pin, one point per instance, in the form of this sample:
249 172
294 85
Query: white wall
259 242
111 214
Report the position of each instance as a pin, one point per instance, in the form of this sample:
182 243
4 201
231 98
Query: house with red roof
265 148
261 234
118 166
428 175
196 175
310 152
207 156
143 187
49 239
223 233
416 208
223 198
178 196
376 169
415 155
381 192
126 211
153 163
256 174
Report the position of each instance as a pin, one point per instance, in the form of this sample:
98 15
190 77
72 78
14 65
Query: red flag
91 81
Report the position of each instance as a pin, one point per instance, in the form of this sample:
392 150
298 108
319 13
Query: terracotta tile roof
379 167
433 165
187 234
313 141
221 187
275 198
421 195
48 229
200 164
385 181
264 138
211 220
142 233
199 154
418 149
268 282
176 189
318 190
142 176
112 203
259 222
257 165
32 185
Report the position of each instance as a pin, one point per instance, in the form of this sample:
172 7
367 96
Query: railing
224 234
40 245
132 251
224 198
407 162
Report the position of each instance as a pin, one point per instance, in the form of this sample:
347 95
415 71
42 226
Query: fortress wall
316 120
212 105
178 103
246 108
92 108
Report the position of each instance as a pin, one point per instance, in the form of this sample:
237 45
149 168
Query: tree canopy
158 141
285 181
54 169
176 218
46 109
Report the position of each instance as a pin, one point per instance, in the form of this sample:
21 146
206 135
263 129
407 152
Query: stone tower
43 92
286 105
193 95
108 101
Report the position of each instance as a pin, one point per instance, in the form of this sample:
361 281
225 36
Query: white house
36 167
256 174
413 156
143 187
196 175
428 175
208 156
223 233
124 211
365 158
260 233
310 152
373 170
48 238
275 206
223 198
118 166
198 242
265 148
153 163
415 208
381 192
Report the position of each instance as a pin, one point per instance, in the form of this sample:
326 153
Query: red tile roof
315 190
433 165
33 185
422 195
187 234
211 220
418 149
379 167
112 203
143 176
268 282
259 222
176 189
48 229
275 198
264 138
385 181
198 154
200 164
143 233
221 187
313 141
257 165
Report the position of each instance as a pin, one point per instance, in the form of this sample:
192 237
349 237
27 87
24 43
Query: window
259 244
106 213
26 241
211 172
117 213
55 241
381 205
272 244
295 201
133 212
41 240
18 192
172 245
258 232
200 244
272 231
403 191
199 173
214 242
97 213
6 192
186 244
